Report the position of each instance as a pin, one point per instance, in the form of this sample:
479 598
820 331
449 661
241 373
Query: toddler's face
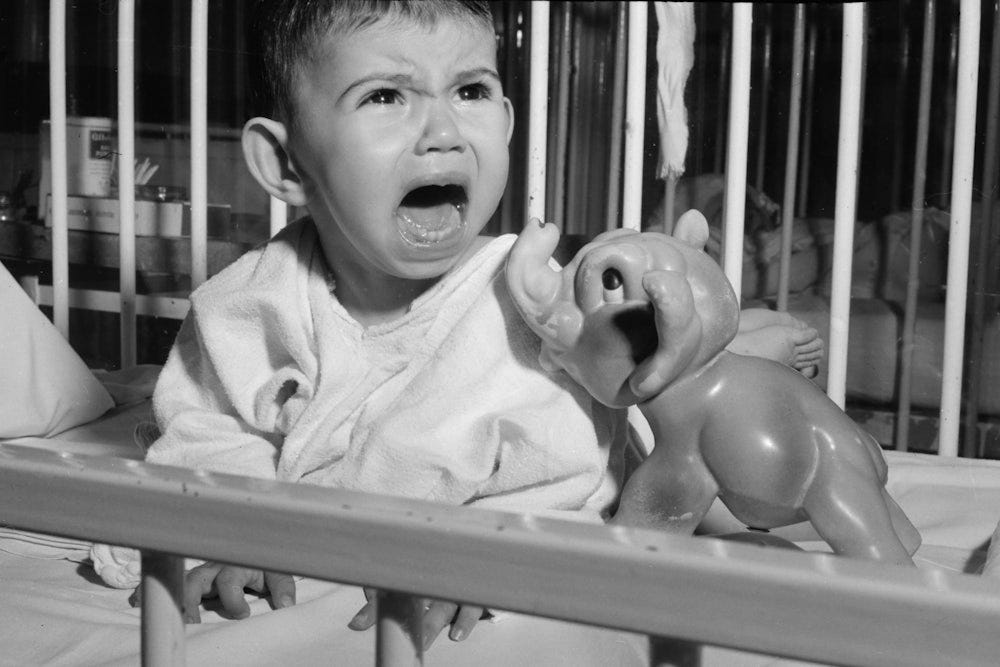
401 134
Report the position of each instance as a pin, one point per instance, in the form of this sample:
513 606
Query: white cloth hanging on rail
675 57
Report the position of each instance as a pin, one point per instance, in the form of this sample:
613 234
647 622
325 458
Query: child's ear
509 108
265 148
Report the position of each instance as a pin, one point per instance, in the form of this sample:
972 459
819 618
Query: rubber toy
644 319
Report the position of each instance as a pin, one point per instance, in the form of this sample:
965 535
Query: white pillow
45 387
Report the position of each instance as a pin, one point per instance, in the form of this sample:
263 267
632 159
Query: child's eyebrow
399 79
479 72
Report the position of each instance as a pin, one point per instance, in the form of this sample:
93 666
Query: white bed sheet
55 610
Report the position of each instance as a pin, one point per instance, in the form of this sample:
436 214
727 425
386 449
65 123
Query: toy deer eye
613 283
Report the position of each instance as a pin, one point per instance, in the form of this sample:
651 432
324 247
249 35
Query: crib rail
698 590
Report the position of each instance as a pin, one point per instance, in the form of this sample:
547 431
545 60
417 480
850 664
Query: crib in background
681 592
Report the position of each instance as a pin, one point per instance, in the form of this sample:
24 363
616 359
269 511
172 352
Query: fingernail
458 634
285 601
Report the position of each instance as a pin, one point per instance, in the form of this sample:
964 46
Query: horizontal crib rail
807 606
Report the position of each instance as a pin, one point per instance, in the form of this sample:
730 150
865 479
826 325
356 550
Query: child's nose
440 132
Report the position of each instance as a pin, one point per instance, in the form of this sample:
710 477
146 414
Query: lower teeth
422 233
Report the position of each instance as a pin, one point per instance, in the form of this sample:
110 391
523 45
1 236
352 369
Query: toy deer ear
692 229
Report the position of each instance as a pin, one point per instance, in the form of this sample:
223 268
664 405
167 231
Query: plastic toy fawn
644 318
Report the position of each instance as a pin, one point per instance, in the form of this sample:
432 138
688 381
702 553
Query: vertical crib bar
916 229
765 96
635 110
791 155
277 214
947 156
538 114
846 198
126 179
579 140
199 142
162 610
862 91
803 195
562 112
734 207
721 108
57 129
901 103
983 245
961 214
699 69
617 120
398 637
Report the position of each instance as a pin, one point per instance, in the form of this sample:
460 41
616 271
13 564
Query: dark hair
283 33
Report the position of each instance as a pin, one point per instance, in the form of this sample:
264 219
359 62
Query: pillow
45 388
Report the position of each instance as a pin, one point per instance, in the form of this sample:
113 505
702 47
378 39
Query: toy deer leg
855 519
906 531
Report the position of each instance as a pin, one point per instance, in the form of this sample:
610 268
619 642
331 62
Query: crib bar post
984 244
947 150
734 207
58 160
30 284
902 436
898 133
617 120
792 156
635 114
846 199
398 637
559 141
720 127
803 194
126 180
671 652
961 214
765 95
538 114
199 142
162 610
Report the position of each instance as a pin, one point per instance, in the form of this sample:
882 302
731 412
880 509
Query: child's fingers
465 620
229 585
365 618
282 589
438 615
198 584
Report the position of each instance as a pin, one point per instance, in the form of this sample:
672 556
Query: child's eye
382 96
474 91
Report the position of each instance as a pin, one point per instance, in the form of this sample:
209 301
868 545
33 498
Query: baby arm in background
778 336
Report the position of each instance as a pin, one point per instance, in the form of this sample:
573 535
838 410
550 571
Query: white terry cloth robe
271 377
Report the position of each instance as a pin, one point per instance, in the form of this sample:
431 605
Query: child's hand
227 582
437 614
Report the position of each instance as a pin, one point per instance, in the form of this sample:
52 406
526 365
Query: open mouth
431 214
